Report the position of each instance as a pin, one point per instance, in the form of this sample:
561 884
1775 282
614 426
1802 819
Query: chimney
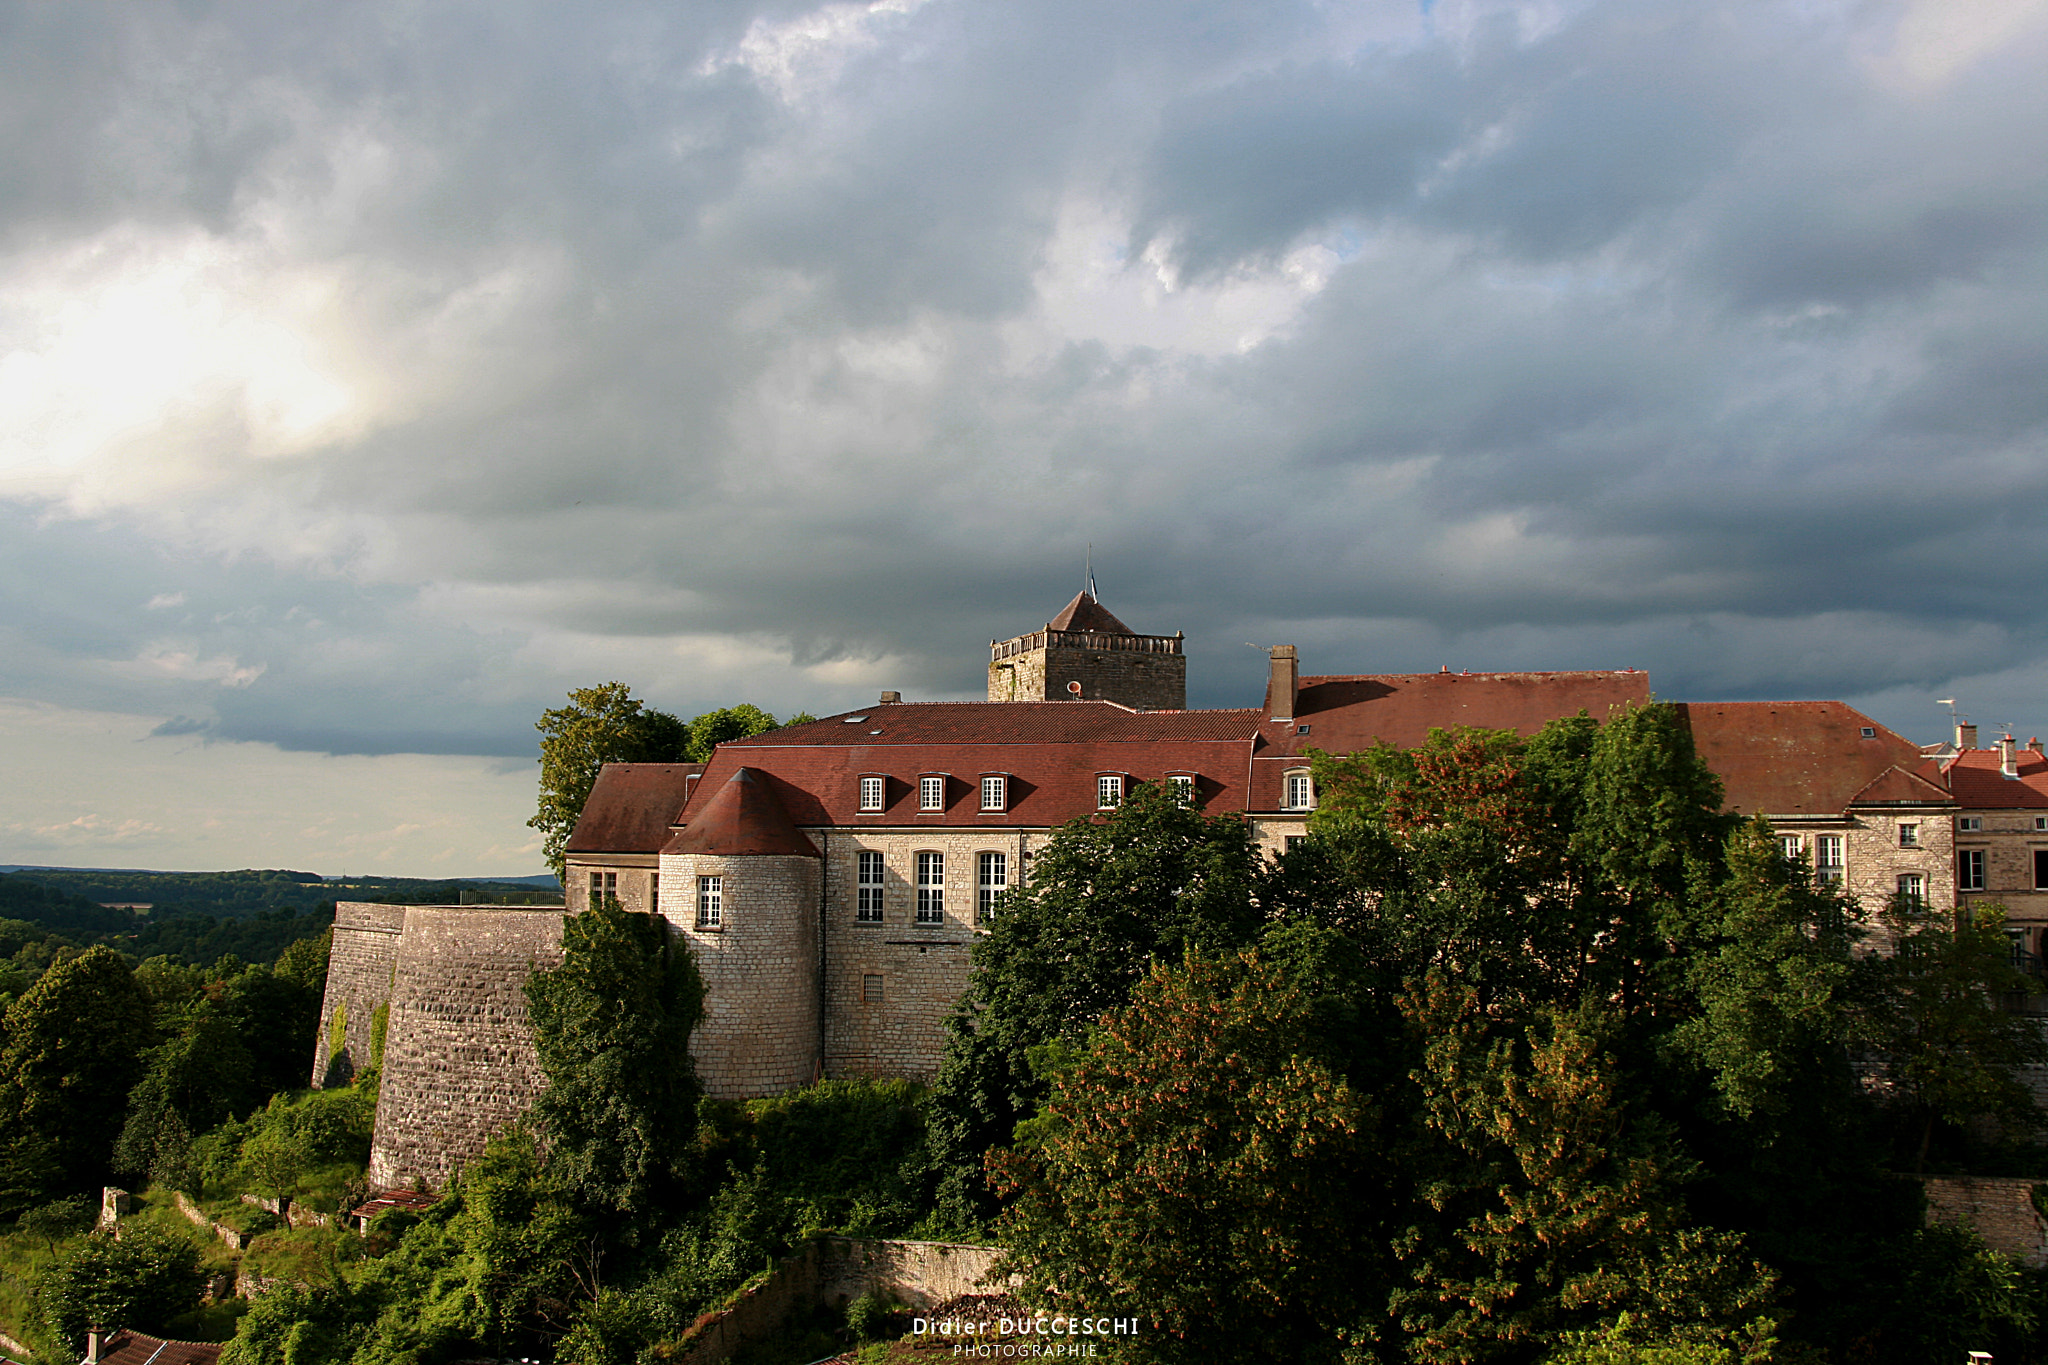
1282 681
2008 761
1966 735
92 1346
891 698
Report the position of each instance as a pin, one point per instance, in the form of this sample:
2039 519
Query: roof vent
1870 732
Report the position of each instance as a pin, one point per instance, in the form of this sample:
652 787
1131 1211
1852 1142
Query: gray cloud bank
775 352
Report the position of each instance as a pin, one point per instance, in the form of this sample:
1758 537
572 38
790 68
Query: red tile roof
133 1348
1978 783
1084 613
743 817
1052 753
631 807
1005 722
1808 757
1346 714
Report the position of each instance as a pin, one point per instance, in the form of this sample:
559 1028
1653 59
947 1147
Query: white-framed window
1969 824
995 791
2041 822
710 902
931 793
867 892
1827 857
1301 792
603 884
992 876
1969 869
931 888
873 790
1913 892
1295 841
1109 791
1182 785
1909 836
1793 846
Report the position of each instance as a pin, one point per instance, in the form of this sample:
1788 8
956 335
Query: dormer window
931 793
995 791
874 792
1300 791
1109 791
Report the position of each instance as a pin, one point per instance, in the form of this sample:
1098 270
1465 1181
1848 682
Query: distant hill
199 917
234 895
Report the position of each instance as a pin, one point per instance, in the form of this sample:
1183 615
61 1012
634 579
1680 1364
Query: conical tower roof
743 818
1085 613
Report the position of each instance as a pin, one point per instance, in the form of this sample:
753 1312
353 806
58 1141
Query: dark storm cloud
1692 337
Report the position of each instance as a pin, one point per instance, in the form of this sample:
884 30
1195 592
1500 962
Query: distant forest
199 917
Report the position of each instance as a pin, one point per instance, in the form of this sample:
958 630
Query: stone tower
742 883
1085 644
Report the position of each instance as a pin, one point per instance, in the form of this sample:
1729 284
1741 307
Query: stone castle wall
890 986
1153 682
760 966
359 969
2001 1210
459 1062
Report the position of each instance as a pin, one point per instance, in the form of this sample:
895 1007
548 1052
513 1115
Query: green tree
141 1282
1946 1044
714 728
73 1052
600 725
193 1081
1201 1161
57 1219
1106 899
1545 1200
612 1028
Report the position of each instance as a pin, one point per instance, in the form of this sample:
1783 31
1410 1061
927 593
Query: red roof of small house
743 817
1808 758
414 1200
133 1348
1979 783
631 807
1084 613
1050 752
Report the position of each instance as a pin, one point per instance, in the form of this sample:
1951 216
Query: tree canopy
608 724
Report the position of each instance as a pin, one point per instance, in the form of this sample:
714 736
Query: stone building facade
2001 834
831 877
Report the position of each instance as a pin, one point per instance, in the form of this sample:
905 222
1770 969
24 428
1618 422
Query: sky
372 374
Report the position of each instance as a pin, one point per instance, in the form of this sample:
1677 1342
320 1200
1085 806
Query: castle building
831 877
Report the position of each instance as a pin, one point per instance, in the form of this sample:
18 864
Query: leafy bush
141 1282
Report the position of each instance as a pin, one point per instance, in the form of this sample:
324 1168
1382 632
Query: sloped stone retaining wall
2001 1210
834 1271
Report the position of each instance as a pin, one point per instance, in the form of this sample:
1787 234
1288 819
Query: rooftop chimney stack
92 1347
1283 680
2008 760
1966 735
891 699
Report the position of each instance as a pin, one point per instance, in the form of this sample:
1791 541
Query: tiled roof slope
133 1348
1005 722
1978 783
1052 753
742 817
1807 757
631 807
1346 714
1085 613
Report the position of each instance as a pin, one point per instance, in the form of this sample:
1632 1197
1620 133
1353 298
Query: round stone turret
742 885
